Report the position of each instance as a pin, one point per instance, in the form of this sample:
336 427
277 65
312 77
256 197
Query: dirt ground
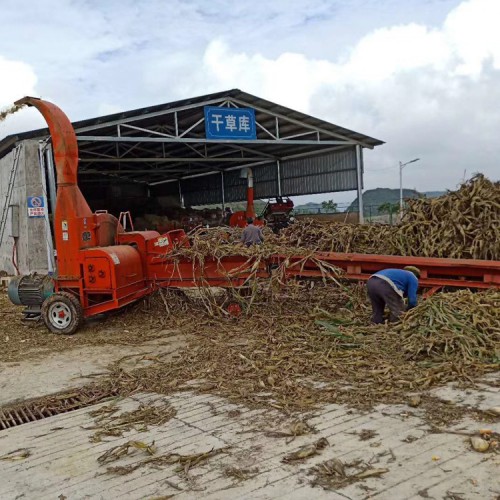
20 340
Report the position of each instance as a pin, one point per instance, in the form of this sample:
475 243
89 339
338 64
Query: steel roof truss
105 138
150 115
298 122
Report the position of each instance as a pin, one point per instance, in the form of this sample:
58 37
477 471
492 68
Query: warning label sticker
36 206
115 258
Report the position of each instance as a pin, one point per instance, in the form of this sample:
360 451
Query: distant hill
373 198
434 194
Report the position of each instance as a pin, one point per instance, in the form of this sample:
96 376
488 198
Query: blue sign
36 206
230 123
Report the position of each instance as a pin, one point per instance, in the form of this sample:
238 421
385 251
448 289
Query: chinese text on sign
36 206
230 123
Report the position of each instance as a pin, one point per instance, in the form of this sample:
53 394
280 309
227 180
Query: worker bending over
252 235
388 288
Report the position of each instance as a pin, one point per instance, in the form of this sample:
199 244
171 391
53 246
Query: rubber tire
73 304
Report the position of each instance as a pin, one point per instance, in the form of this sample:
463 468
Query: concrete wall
31 243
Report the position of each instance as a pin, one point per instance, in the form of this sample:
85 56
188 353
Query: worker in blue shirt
388 288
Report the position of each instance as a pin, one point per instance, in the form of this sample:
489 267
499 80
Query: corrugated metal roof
257 102
165 145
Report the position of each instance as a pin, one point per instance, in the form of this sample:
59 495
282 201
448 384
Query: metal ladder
10 188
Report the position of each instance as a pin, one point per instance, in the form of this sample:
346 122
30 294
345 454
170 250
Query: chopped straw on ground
300 344
109 422
309 346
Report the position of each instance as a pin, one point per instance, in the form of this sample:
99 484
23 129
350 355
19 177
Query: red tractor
277 213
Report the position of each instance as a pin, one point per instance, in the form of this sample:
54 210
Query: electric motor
31 291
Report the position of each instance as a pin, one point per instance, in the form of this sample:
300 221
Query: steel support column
223 192
359 179
278 167
51 178
49 242
180 194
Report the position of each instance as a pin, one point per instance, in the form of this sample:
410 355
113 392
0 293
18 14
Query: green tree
329 205
389 208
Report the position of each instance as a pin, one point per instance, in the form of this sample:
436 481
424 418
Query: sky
421 75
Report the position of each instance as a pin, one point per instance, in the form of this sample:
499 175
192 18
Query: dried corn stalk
461 224
464 326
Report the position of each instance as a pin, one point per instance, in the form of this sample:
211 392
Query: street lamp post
401 166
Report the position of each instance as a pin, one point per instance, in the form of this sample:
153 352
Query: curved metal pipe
64 142
70 201
73 216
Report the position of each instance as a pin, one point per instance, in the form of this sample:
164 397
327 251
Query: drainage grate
48 406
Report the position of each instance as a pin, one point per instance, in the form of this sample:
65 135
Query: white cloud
423 76
290 79
468 38
428 92
472 30
386 52
17 79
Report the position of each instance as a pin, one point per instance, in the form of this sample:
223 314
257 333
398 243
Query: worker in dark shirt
252 235
388 288
227 215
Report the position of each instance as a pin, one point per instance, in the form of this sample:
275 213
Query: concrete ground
62 462
55 372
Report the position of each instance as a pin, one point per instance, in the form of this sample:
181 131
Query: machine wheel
62 313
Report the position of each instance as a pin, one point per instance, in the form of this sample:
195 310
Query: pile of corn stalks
340 237
461 224
461 325
304 344
216 244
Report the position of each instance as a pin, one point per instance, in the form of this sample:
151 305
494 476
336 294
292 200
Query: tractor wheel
62 313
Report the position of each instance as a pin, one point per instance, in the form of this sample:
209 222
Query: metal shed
166 152
165 148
